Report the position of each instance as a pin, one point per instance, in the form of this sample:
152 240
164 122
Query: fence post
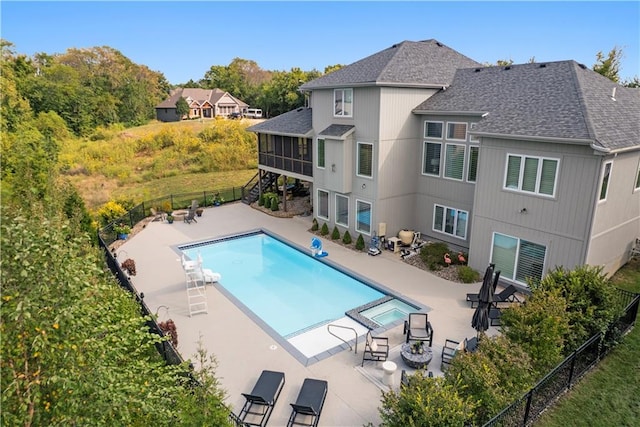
527 408
172 208
571 369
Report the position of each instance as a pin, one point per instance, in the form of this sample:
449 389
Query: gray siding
167 115
560 223
616 222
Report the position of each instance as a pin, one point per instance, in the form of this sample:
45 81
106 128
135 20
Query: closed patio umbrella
480 319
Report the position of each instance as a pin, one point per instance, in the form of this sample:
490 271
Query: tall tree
182 107
609 66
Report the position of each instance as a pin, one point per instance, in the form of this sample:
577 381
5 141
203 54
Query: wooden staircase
254 188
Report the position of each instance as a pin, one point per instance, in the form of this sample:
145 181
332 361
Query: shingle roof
197 94
296 123
337 131
426 63
552 100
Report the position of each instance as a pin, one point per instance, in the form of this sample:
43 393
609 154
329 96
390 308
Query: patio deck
243 349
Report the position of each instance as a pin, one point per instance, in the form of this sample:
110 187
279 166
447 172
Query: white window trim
606 193
444 163
469 163
455 225
358 144
318 155
336 209
444 128
472 138
343 90
538 175
424 158
318 203
367 233
466 131
517 258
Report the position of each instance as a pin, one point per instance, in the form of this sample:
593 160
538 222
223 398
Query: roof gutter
574 141
451 113
303 135
378 84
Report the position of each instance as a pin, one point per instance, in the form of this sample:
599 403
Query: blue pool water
287 289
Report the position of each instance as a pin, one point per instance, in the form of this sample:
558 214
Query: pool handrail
342 339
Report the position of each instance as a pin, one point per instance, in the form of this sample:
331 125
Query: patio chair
404 377
191 216
375 348
449 350
308 407
158 216
419 328
260 402
494 316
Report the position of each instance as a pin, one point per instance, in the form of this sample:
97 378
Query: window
320 153
365 159
450 221
518 259
323 204
471 137
637 187
342 210
343 102
454 161
431 158
457 131
433 130
363 223
473 163
606 175
531 174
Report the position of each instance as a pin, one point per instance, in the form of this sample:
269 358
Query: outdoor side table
416 360
389 369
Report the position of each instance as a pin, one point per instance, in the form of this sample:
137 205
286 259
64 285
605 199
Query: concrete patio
243 349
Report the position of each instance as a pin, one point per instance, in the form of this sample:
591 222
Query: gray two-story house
527 166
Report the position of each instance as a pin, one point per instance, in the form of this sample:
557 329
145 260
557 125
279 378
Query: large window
473 163
433 130
518 259
343 102
323 204
531 174
431 158
450 221
365 159
454 161
604 186
320 146
342 210
363 223
457 131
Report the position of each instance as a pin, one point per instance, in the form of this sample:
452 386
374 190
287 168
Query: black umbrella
480 319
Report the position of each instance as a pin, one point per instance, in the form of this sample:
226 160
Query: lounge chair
191 216
158 216
260 402
308 407
375 348
418 328
475 298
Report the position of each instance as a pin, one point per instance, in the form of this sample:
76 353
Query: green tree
609 66
182 107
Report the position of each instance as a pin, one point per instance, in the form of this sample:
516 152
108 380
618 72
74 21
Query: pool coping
282 341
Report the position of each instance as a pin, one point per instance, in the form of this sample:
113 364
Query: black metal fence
526 409
168 204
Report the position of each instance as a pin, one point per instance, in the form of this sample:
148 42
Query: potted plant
217 200
170 219
122 230
199 211
416 347
129 265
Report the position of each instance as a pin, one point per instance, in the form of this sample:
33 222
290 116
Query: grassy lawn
610 394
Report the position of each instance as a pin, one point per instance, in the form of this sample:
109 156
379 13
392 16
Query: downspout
594 204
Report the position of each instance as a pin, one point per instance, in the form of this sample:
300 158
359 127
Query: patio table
416 360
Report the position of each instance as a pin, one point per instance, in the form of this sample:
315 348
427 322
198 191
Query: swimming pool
291 291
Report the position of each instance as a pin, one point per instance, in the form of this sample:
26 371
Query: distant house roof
426 63
294 123
198 95
555 100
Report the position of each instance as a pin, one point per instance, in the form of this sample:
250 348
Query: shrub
539 327
425 402
360 243
468 274
433 255
590 301
346 239
274 204
110 211
324 230
496 373
314 225
261 200
335 234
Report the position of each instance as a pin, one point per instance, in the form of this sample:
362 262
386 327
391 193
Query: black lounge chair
475 298
494 316
375 348
418 328
308 407
260 402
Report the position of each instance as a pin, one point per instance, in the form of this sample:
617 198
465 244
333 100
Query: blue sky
183 40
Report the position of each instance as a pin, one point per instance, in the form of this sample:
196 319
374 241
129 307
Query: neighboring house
203 103
527 166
